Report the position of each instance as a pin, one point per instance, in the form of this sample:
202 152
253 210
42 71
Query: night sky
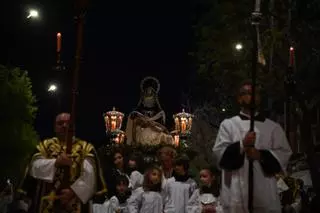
124 42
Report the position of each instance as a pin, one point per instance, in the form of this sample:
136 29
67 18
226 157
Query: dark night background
124 42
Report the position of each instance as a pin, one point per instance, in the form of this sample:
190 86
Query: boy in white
206 198
267 146
151 198
181 185
117 203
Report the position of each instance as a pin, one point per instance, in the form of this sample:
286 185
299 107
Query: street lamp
52 88
113 121
34 14
238 46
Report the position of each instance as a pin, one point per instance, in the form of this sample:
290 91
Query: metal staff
81 9
256 17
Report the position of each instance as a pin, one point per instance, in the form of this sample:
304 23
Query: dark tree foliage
17 113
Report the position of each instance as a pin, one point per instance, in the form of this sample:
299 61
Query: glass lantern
176 138
183 122
113 120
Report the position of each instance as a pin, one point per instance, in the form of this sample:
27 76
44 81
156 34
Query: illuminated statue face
149 99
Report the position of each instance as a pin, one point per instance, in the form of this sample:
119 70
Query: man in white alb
42 188
267 146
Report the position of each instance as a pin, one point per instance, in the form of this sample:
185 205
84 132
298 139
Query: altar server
117 203
267 146
151 198
206 198
181 185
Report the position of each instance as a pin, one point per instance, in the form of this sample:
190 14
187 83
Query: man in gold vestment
42 190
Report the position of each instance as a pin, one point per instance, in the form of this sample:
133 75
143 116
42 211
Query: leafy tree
220 66
17 112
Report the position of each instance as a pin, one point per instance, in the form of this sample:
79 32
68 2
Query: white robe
84 187
136 181
111 206
234 194
197 200
150 202
181 193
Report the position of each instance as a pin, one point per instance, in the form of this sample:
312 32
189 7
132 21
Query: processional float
145 125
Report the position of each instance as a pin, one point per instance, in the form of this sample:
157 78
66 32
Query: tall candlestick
291 57
58 42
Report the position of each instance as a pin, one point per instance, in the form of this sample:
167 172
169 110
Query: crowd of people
162 186
127 184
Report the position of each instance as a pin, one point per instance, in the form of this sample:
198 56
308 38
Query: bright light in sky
223 109
33 14
238 46
52 88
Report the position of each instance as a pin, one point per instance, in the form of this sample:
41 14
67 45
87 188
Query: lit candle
183 125
117 140
291 57
176 140
113 125
58 42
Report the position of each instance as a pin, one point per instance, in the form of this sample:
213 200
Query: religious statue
145 124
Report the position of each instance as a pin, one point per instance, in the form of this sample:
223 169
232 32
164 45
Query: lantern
176 138
183 122
183 125
113 120
119 137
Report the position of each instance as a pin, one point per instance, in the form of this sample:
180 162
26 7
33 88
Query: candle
183 125
58 42
291 57
113 125
176 140
117 140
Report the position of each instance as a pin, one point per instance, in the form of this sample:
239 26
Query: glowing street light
33 14
239 47
52 88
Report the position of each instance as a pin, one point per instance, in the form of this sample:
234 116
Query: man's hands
63 160
208 209
66 196
250 150
249 139
252 153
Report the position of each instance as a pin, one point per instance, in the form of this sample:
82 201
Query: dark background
124 42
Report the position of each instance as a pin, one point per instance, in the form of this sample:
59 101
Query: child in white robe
206 198
117 203
136 178
181 185
151 198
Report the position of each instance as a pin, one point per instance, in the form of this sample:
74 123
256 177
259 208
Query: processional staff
81 9
257 57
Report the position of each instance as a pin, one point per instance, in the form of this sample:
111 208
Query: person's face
118 160
245 96
155 176
179 169
132 164
121 188
206 177
61 124
165 156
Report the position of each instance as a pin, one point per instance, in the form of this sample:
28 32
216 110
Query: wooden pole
81 9
256 16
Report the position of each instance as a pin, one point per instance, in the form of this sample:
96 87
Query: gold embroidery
52 148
